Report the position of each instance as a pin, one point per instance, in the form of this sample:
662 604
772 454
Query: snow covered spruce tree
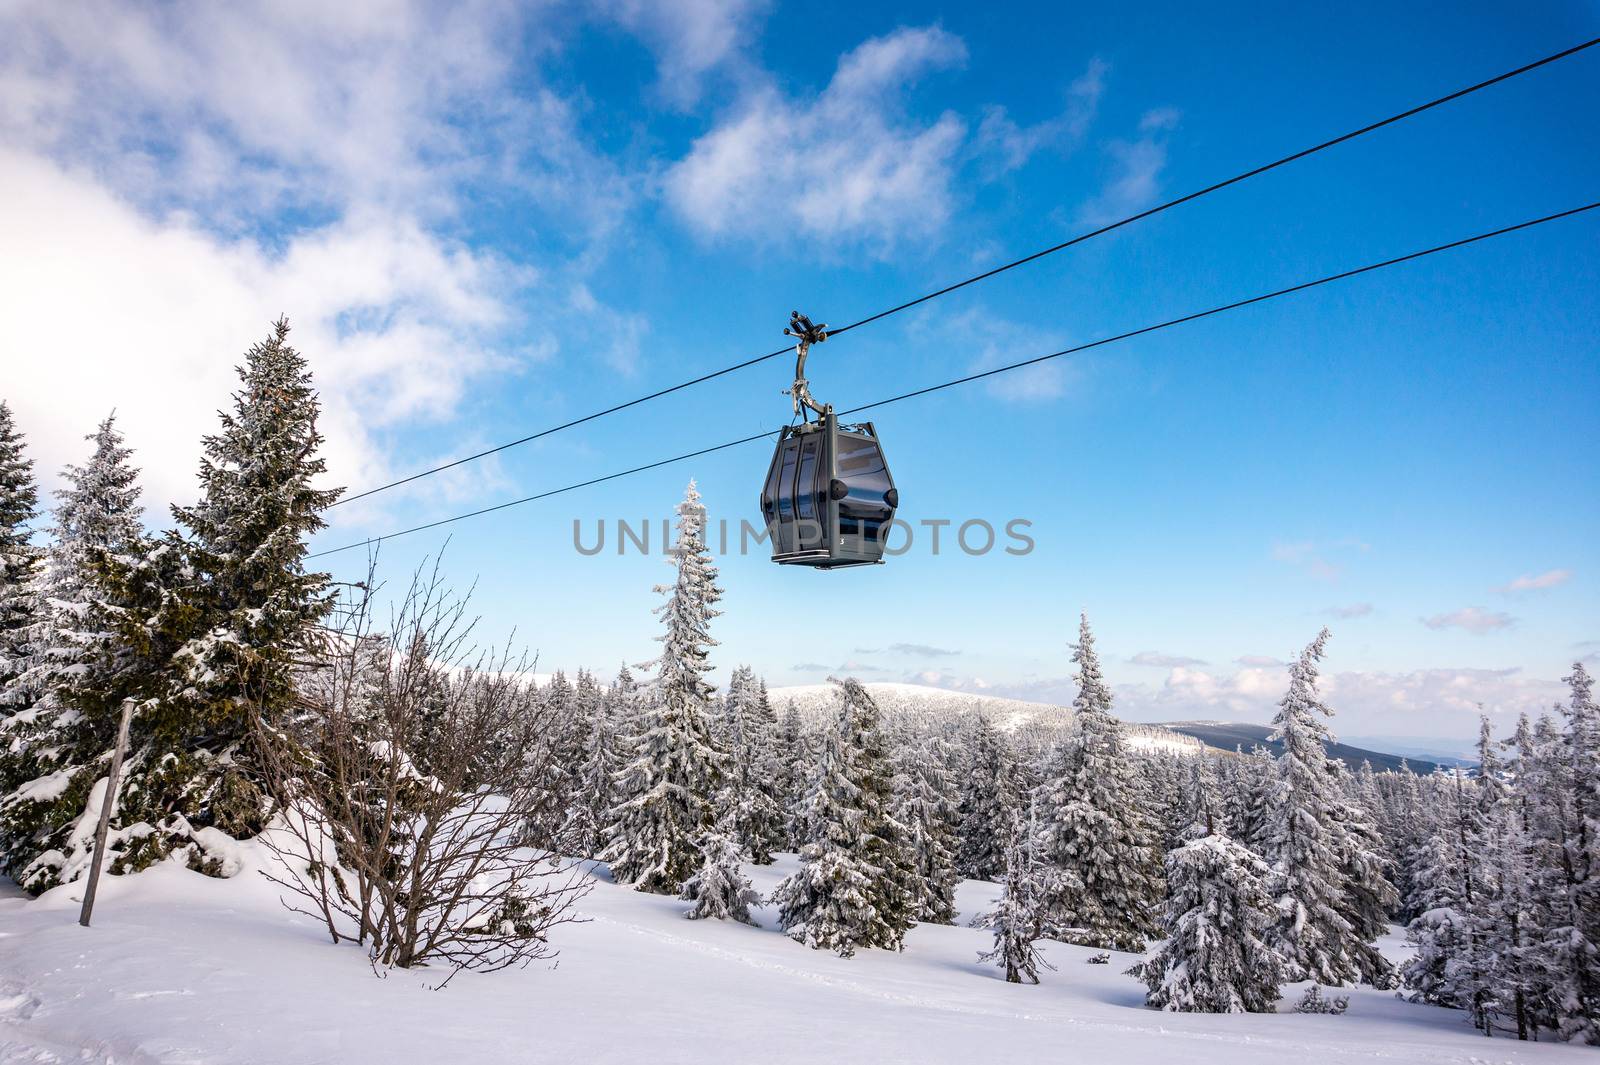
1571 879
666 792
97 512
202 633
601 762
925 803
1446 887
988 802
1018 921
251 610
1331 890
749 725
1216 958
19 559
719 888
1092 826
1509 917
47 747
792 773
855 884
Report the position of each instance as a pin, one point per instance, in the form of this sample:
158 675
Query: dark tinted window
861 465
805 489
785 489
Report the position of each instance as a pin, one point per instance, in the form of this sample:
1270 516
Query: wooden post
106 802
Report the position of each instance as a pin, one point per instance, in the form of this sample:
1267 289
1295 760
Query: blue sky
484 220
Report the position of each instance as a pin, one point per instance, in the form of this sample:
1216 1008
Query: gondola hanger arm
806 334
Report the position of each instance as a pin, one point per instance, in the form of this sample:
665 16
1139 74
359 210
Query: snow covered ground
181 968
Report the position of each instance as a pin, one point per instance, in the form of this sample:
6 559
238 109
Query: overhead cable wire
1169 323
1035 256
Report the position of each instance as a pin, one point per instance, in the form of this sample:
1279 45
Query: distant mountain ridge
816 701
1238 735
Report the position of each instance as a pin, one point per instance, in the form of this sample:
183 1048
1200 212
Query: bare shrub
406 783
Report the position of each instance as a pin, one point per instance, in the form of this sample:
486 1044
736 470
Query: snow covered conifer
748 727
1573 879
202 634
1216 958
988 803
49 750
854 887
247 544
601 761
19 559
792 754
666 791
719 888
925 803
1315 846
96 512
1092 826
1018 921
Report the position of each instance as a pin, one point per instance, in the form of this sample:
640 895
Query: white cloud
922 650
317 104
1162 661
1134 178
1353 610
1006 146
936 678
1158 119
1529 582
690 38
1260 661
1312 556
178 175
995 341
105 308
846 166
1473 619
1442 702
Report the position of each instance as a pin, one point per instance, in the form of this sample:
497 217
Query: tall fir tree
1324 871
1573 937
792 772
1521 972
989 802
48 748
925 803
1018 919
667 790
1447 892
748 727
601 761
19 558
855 885
97 512
1092 825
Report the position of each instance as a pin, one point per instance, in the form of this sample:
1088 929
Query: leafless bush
406 783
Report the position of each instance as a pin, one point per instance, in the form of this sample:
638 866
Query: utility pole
106 802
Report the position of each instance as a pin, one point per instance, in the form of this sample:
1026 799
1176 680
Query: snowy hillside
816 702
181 968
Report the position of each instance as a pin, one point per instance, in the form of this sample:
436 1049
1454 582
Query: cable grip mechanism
806 334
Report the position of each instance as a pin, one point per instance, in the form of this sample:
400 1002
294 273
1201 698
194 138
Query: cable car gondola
828 498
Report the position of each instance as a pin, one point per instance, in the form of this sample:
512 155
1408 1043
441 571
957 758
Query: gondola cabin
828 497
